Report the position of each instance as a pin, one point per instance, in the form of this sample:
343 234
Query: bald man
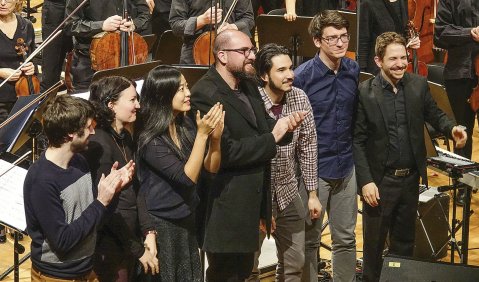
233 200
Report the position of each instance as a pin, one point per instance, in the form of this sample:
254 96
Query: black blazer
235 195
375 18
371 139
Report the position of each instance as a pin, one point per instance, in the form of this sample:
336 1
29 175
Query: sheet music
12 210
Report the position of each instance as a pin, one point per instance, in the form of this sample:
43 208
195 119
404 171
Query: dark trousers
53 56
229 267
396 215
81 71
458 92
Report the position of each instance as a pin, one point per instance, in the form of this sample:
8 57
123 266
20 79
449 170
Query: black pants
396 215
81 71
54 53
458 92
229 267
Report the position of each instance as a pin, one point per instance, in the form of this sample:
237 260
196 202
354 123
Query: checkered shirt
303 148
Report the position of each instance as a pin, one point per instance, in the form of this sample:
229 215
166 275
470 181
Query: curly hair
104 91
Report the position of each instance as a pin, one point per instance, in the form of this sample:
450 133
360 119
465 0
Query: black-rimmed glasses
245 51
333 40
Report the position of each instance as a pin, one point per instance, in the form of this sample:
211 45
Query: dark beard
241 74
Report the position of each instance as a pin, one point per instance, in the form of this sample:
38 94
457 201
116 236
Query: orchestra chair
168 49
365 76
435 73
277 12
150 40
192 73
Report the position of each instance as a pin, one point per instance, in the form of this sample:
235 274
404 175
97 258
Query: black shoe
460 197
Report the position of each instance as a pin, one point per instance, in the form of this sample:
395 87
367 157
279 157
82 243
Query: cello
26 84
203 46
110 50
474 99
415 66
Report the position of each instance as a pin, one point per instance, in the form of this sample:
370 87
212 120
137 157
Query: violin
109 50
474 99
415 66
26 84
203 46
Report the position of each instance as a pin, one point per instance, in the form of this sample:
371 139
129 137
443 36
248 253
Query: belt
400 172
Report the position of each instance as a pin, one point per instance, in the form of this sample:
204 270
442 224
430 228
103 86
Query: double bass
415 66
110 50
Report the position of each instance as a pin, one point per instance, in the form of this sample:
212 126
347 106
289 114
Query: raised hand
208 122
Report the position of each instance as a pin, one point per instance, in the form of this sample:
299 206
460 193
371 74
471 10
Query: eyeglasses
245 51
333 40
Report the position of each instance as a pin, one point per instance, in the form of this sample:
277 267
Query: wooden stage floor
6 250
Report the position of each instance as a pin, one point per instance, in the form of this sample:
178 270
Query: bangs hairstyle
324 19
66 115
386 39
264 57
104 91
156 113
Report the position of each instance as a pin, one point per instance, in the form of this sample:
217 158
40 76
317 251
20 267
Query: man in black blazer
389 151
234 197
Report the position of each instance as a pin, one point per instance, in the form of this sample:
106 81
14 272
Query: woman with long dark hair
119 244
171 157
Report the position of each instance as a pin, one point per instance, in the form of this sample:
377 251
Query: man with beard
389 151
330 80
60 209
232 200
275 75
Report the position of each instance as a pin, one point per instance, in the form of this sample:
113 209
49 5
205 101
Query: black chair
169 48
150 41
435 73
277 12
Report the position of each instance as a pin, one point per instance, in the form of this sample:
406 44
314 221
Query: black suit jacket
371 139
234 197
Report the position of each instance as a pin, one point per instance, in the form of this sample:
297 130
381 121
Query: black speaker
404 269
432 214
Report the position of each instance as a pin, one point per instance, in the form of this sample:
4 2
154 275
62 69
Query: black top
9 57
375 18
127 211
88 21
168 191
400 154
452 31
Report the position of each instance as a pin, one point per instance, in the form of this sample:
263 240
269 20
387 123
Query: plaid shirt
303 148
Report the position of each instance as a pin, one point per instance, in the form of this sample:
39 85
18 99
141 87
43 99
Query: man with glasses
232 201
330 80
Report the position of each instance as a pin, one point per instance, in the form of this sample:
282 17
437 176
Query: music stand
133 72
11 189
295 35
15 131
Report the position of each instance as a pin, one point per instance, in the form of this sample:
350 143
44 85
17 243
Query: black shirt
9 57
88 21
400 153
127 212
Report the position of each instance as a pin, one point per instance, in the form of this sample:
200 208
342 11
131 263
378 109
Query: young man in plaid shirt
275 74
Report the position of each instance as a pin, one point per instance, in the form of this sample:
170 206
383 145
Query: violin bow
52 36
228 14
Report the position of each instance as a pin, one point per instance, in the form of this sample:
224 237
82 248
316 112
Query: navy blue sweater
62 216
